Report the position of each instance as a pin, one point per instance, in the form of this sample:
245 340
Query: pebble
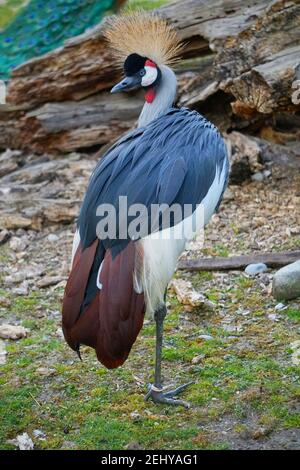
255 268
206 337
24 442
12 331
49 281
261 175
45 371
5 302
198 359
3 353
273 317
52 238
280 306
21 290
295 346
39 434
257 176
17 244
4 236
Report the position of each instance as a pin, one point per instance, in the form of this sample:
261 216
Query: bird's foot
159 396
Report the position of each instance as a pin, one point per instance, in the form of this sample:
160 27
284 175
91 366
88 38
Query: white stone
24 442
258 176
280 306
3 352
52 238
255 268
206 337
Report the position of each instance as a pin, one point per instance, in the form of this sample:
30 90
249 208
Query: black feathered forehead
134 63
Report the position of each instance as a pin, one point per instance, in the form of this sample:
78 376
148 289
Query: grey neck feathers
164 99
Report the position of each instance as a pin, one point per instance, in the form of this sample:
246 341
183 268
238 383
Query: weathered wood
239 67
248 154
272 260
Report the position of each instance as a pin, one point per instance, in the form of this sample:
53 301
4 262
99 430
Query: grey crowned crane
174 157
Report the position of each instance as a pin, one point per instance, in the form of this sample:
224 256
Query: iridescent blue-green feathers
44 25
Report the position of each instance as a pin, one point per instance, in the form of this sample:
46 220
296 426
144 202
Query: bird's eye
142 72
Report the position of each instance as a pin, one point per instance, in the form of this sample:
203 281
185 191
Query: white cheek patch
150 76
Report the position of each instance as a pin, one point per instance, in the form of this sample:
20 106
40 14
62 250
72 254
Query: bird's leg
159 317
156 391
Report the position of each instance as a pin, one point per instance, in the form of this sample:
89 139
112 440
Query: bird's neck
161 98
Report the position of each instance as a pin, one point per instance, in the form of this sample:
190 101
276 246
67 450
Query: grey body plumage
174 157
172 160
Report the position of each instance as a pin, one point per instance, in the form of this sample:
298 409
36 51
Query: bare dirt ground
239 353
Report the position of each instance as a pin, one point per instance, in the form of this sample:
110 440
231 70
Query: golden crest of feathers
145 34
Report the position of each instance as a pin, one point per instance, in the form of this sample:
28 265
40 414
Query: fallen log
239 68
272 260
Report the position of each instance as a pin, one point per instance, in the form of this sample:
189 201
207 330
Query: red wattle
150 95
149 63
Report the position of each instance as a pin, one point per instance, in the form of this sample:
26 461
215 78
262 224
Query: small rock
15 278
188 296
259 433
280 306
286 282
17 244
245 227
49 281
69 445
8 154
273 317
259 176
59 333
232 328
3 352
198 359
135 416
265 280
5 302
133 446
255 268
21 290
23 441
45 371
52 238
206 337
55 313
39 434
4 236
12 331
295 346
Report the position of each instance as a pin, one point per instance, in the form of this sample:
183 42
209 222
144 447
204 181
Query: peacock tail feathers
43 25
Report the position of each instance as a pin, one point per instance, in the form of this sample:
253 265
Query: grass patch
293 314
84 406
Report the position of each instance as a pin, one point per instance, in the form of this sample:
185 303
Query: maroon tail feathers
111 322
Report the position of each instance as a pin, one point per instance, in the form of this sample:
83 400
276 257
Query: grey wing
174 160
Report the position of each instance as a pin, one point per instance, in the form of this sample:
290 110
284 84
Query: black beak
128 83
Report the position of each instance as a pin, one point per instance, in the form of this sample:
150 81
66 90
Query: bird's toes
158 396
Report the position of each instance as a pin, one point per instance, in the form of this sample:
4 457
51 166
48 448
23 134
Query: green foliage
84 406
293 314
145 4
9 9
